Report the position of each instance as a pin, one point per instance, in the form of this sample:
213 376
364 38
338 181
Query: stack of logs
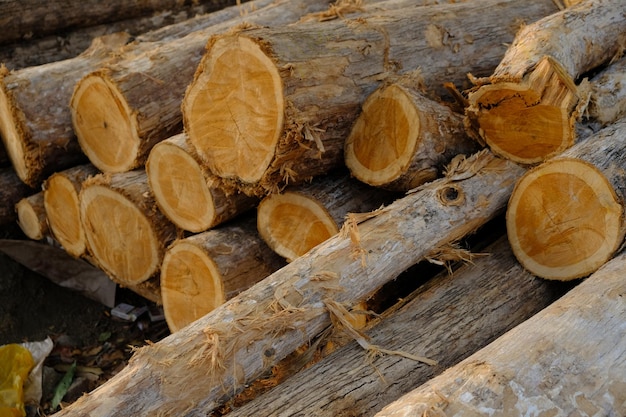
265 169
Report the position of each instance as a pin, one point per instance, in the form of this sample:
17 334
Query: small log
479 302
31 216
526 111
271 106
121 111
403 139
42 142
126 233
566 360
566 216
607 99
12 190
203 271
61 192
199 367
191 197
303 216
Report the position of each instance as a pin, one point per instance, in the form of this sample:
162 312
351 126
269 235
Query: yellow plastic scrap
15 365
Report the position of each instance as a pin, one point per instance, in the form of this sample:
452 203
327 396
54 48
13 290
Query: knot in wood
451 195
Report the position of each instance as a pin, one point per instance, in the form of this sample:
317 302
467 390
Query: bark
203 271
304 83
126 233
31 216
303 216
566 360
566 217
137 100
42 142
25 19
607 100
61 192
12 190
490 295
215 356
191 197
532 92
402 139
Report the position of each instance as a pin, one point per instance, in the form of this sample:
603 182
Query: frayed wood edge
335 11
350 229
450 253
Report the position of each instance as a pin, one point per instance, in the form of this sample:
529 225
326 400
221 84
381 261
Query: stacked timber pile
265 170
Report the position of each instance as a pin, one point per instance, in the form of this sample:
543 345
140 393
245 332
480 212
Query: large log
190 196
607 96
527 108
303 216
203 271
121 111
479 302
566 360
565 218
271 106
194 370
403 139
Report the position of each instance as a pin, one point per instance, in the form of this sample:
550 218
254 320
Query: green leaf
63 386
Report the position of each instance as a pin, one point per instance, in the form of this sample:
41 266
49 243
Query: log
527 109
60 198
125 232
42 142
565 218
479 302
201 272
191 197
194 370
303 216
402 139
31 216
566 360
607 98
12 190
137 100
304 83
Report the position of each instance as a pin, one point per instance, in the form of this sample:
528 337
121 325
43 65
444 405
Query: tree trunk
42 142
191 197
205 363
271 106
479 302
31 216
566 217
12 190
61 192
567 360
203 271
126 233
527 110
25 19
303 216
121 111
607 102
402 139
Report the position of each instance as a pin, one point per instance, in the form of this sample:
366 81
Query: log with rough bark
403 139
479 302
62 206
201 272
12 190
566 360
271 106
301 217
202 365
121 111
126 233
40 142
566 216
607 96
526 110
31 216
191 197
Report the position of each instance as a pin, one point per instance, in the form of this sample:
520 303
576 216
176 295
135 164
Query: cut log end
292 224
381 143
31 216
191 285
63 210
180 188
527 121
235 125
119 235
104 124
564 220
